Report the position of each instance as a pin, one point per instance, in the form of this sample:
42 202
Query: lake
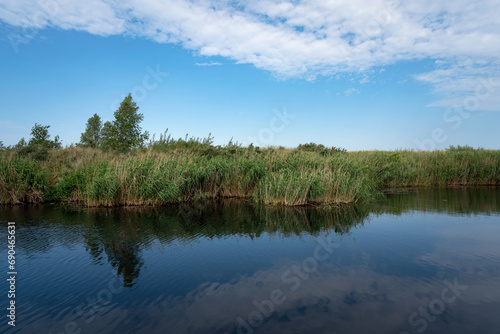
423 261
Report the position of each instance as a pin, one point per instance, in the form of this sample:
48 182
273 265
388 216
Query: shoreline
277 176
380 195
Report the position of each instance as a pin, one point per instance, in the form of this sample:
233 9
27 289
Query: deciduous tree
40 137
124 132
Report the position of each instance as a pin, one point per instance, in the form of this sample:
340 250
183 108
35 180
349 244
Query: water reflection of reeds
470 200
119 235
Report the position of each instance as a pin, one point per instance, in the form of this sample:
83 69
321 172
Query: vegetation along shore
116 163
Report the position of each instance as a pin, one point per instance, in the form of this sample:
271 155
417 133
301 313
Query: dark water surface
427 261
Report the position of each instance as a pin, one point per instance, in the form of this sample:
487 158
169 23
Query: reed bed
289 177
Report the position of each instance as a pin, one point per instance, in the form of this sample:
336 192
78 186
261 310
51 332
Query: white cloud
364 79
208 64
472 85
351 91
300 38
94 16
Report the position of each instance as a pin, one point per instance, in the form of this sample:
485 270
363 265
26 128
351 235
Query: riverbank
272 175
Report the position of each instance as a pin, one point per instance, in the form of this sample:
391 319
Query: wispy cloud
351 91
208 64
468 84
300 38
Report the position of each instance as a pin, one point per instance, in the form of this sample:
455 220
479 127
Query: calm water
425 261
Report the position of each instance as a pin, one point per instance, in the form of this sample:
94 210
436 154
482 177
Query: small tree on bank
39 145
124 133
93 130
40 137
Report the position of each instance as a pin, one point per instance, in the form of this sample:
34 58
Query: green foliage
109 136
167 143
288 188
20 144
22 180
172 171
462 148
40 137
320 148
203 146
92 135
39 145
40 153
124 133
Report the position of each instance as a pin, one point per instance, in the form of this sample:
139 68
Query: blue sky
387 76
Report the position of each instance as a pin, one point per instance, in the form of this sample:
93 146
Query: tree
108 136
124 133
40 137
2 147
22 143
93 131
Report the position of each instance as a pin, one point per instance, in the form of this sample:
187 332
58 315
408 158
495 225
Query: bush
320 148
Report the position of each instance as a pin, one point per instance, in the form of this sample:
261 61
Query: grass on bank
171 171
